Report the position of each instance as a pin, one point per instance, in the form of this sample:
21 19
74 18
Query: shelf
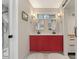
71 35
72 39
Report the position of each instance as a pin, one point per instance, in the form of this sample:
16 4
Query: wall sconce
34 15
60 14
34 18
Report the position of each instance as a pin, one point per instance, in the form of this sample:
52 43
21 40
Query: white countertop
45 34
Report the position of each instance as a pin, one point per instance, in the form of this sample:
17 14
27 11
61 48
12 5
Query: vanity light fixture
60 14
33 14
34 17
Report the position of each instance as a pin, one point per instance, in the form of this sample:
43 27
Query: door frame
13 27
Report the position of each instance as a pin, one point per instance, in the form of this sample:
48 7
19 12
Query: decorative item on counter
54 32
49 29
49 25
38 32
24 16
52 26
50 21
39 25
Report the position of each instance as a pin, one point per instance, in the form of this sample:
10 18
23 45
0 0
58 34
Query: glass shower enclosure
5 32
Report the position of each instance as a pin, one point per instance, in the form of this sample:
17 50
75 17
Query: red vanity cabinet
42 43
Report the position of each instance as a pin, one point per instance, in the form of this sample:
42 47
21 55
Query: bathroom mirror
46 22
39 25
52 25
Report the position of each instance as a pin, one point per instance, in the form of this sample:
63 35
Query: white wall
71 20
23 28
69 23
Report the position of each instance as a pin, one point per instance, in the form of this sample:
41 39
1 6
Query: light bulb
58 14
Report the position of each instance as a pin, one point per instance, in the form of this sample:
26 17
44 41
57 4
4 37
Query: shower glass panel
5 32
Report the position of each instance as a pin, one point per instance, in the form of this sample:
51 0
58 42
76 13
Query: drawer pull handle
72 45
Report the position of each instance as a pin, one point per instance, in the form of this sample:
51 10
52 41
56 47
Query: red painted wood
46 43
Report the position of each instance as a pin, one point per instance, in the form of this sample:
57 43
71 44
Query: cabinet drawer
72 48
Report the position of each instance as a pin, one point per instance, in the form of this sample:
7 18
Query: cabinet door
56 44
46 43
34 43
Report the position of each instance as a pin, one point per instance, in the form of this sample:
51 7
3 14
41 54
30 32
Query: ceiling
46 3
